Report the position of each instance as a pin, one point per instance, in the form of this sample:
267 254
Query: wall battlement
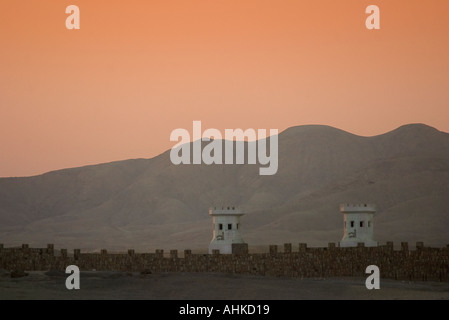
423 263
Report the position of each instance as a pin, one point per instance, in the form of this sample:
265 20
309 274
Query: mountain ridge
153 203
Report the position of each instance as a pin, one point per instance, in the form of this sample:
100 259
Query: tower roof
357 208
226 210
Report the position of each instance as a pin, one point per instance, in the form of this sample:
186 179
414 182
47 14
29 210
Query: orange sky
136 70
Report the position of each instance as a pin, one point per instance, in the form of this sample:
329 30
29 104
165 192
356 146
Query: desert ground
209 286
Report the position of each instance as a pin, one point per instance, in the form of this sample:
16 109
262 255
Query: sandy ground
208 286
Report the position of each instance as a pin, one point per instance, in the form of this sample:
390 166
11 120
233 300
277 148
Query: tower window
352 224
229 226
237 226
220 226
362 224
369 224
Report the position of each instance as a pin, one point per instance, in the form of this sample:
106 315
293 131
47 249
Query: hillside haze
150 204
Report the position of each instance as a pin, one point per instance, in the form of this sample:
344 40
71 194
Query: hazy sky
136 70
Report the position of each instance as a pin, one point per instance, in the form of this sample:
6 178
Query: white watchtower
226 228
358 219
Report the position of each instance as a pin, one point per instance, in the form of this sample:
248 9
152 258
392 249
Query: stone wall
423 263
239 248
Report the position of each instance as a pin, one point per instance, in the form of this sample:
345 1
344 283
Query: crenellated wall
423 263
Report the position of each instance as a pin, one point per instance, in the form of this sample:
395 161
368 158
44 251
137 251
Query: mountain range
149 204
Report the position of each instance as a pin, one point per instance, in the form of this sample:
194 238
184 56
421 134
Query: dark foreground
207 286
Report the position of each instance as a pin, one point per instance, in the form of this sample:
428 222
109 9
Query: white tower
359 222
226 228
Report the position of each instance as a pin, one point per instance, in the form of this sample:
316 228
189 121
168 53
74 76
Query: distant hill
150 203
